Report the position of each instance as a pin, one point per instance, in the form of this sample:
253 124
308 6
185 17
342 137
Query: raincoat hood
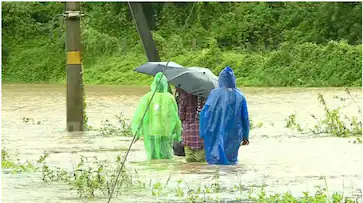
227 78
163 85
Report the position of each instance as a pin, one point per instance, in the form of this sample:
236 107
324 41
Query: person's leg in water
194 155
152 147
189 154
166 149
200 155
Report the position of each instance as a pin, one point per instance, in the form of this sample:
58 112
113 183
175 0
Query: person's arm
245 122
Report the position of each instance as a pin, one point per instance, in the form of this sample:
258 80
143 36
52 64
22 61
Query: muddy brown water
277 158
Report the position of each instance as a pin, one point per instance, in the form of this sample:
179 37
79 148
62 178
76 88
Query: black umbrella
194 80
151 68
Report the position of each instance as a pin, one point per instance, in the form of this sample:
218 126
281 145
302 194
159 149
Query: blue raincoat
224 122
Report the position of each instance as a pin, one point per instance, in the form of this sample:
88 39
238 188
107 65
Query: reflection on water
277 158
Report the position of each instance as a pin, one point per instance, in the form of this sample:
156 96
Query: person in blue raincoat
224 123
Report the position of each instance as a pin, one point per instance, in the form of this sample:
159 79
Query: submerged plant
179 191
358 140
98 180
292 124
123 127
90 182
7 163
319 196
332 124
31 121
253 125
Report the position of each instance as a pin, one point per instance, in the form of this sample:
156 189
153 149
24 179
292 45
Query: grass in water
13 167
94 179
123 127
332 123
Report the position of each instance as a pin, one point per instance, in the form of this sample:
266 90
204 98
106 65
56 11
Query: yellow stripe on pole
73 57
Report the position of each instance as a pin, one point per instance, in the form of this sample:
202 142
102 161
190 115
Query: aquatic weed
90 182
49 174
351 96
292 124
31 121
319 196
253 125
96 181
358 140
123 127
216 185
5 160
179 191
87 180
332 124
157 189
238 187
7 163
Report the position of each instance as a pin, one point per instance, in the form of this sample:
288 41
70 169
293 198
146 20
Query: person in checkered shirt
189 108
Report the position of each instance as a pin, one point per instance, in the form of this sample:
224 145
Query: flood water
277 158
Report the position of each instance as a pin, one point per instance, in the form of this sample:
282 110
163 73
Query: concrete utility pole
74 68
144 32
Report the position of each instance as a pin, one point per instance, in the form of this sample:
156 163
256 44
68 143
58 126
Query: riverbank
306 65
140 89
272 46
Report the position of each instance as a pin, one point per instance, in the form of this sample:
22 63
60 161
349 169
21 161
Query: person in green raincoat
161 125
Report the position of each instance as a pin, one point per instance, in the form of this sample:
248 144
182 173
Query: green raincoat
161 125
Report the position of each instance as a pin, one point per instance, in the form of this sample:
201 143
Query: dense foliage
277 44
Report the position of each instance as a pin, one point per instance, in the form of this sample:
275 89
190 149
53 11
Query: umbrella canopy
151 68
194 80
